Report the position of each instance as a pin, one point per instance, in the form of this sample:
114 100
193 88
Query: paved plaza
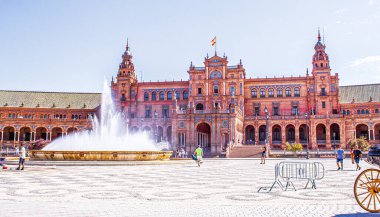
224 187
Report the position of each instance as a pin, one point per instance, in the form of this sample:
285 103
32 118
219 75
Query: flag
213 42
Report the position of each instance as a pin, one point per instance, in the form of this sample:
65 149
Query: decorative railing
321 142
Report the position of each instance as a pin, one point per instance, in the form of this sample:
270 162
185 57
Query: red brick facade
218 106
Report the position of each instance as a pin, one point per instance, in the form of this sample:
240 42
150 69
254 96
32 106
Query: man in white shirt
22 157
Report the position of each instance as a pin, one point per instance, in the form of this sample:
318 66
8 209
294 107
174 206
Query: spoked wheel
367 190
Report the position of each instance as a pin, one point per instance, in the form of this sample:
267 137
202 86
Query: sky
73 45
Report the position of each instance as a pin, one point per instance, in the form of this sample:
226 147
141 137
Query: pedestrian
263 155
199 153
22 157
339 158
177 153
352 155
357 157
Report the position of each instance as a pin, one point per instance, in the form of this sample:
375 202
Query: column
14 136
50 134
283 135
257 138
297 133
369 134
35 136
2 135
328 136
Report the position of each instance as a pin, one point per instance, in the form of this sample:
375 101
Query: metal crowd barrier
291 171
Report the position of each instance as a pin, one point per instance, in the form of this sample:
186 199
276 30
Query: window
279 93
185 95
123 99
377 111
170 95
199 91
295 110
165 111
323 104
348 112
262 93
254 93
199 106
147 112
288 92
162 96
271 93
216 89
257 111
146 96
344 112
363 111
275 111
335 111
232 91
358 111
367 111
297 92
154 96
177 95
241 89
323 91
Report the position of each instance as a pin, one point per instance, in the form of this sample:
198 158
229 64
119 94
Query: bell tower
125 87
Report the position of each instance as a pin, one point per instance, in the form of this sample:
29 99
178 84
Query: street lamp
307 136
266 130
229 123
155 125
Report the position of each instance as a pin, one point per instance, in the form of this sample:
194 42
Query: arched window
199 106
146 96
279 92
297 91
288 92
321 64
162 96
367 111
185 95
270 93
348 112
154 96
177 95
363 111
232 91
254 93
377 111
344 112
170 95
262 93
216 89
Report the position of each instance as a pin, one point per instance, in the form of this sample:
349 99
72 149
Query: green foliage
362 144
294 147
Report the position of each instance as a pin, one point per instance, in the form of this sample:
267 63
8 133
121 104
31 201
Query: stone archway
335 134
377 131
71 130
56 132
41 133
303 134
321 134
203 135
262 134
276 134
9 133
25 134
249 135
362 131
290 133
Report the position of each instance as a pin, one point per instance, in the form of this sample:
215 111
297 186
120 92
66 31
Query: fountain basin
99 155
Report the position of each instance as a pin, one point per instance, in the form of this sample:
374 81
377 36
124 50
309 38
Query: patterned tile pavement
179 188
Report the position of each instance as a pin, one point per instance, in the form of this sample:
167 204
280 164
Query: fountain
109 139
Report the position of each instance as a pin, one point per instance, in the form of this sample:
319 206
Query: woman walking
263 153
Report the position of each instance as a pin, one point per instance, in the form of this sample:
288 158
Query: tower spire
319 35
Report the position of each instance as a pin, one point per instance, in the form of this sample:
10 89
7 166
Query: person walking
22 156
357 157
263 155
352 155
199 153
339 158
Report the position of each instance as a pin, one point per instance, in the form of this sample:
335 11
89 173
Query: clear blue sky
71 45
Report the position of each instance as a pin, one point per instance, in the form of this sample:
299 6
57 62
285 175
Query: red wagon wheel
367 190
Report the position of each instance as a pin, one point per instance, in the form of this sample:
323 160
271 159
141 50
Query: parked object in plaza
289 172
367 184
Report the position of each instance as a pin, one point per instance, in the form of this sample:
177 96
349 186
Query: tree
294 147
361 142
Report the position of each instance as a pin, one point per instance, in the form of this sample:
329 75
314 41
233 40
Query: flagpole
215 45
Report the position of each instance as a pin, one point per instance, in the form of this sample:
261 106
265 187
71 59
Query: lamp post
155 126
229 124
307 136
266 130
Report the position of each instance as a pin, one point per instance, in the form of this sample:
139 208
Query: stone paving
224 187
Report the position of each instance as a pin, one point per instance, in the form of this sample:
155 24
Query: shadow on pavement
367 214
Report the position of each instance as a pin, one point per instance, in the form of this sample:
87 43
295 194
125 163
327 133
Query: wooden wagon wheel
367 190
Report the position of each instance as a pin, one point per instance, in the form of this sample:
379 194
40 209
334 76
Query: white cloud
341 11
365 60
371 2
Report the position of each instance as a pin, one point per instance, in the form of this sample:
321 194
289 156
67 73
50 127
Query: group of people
356 156
21 153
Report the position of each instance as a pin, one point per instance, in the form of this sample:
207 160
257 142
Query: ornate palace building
217 107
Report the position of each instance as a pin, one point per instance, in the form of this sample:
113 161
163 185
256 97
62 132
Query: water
108 134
